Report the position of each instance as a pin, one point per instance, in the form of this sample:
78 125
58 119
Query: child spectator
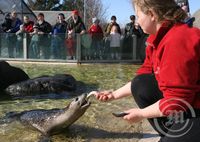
109 26
115 39
70 43
34 51
19 43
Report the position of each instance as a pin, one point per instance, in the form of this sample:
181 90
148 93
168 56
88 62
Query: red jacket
29 26
96 32
70 42
173 55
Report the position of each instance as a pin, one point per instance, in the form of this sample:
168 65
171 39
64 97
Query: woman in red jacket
96 33
167 86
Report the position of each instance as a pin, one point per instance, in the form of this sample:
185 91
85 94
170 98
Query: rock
10 75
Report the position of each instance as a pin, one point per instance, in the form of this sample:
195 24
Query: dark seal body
43 85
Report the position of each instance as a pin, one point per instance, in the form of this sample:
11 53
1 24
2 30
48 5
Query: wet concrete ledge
149 134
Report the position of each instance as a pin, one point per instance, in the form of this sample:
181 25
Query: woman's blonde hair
165 9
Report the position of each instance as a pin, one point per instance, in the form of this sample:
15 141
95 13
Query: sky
123 9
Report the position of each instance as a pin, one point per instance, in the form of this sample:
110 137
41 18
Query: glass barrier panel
107 48
11 45
78 47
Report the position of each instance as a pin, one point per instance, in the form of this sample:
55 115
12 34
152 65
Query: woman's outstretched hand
104 95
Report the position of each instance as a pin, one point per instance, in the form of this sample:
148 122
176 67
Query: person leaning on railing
11 26
44 40
58 50
96 33
76 26
28 27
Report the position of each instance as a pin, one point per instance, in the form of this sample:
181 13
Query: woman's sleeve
179 75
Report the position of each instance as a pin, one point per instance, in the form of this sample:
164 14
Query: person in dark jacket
75 24
44 29
76 27
6 25
58 38
11 26
132 30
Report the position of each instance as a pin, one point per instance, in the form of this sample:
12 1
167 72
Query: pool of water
96 125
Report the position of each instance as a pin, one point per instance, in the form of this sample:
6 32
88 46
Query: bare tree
95 8
44 4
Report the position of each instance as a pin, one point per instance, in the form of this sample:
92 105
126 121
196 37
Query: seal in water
51 121
42 85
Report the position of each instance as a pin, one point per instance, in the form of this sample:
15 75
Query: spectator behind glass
70 43
112 23
11 36
75 23
188 20
58 38
6 25
19 44
44 41
107 34
28 27
34 44
132 30
16 22
184 4
115 39
76 26
96 33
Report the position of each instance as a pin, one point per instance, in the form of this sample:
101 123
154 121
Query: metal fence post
134 46
78 47
25 46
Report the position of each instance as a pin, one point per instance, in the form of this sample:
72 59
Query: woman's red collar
155 39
